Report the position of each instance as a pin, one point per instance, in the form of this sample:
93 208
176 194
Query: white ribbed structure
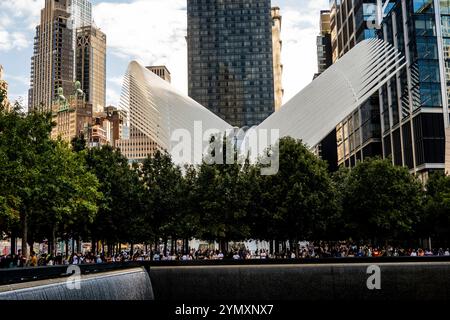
158 110
316 110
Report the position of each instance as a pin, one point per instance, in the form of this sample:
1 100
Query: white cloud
21 98
151 32
28 10
114 87
117 81
5 21
12 40
23 80
112 97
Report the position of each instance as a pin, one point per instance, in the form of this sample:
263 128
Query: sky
152 32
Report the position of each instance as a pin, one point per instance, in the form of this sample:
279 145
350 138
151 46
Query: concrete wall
421 281
332 281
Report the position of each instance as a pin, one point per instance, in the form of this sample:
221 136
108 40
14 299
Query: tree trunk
173 244
25 252
13 243
223 244
271 246
67 247
73 245
31 246
94 246
78 244
53 252
132 250
291 246
187 246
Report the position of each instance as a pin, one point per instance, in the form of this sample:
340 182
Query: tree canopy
51 190
380 200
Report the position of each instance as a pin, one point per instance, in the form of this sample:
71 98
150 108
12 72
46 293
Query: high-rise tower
53 63
91 65
327 148
359 134
230 58
415 104
324 51
277 65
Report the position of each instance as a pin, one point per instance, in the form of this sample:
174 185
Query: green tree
2 97
381 201
188 219
164 192
69 195
44 184
78 143
117 219
9 215
299 202
24 141
223 196
436 220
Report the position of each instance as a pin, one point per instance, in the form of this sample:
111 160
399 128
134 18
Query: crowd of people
308 250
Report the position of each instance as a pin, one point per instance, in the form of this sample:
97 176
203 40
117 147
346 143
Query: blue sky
152 32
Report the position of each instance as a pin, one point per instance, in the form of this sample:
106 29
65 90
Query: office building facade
414 105
72 117
80 16
106 128
91 65
324 49
53 60
359 134
169 117
327 148
277 46
162 72
230 59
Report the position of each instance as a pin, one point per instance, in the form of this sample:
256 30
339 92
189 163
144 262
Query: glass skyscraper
327 148
230 58
414 105
359 135
80 16
90 63
324 52
53 60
